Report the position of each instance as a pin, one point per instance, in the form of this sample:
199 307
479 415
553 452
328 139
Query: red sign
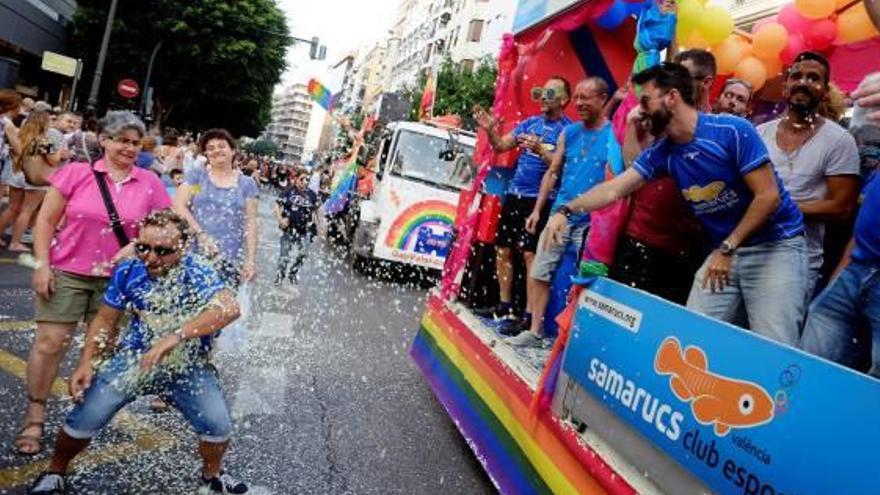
128 88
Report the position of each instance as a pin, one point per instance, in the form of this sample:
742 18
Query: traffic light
313 50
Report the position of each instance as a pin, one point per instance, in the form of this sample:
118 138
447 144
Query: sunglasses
144 249
539 93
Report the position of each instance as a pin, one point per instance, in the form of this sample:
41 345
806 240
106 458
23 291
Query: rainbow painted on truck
436 215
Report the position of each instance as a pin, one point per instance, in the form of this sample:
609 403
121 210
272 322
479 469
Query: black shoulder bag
115 223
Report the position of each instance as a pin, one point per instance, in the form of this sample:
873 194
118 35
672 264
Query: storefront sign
742 413
59 64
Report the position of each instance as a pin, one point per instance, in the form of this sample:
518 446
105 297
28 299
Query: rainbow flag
321 94
344 184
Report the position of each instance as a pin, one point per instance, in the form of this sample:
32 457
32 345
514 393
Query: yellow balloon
751 69
854 25
697 41
683 34
715 24
815 9
727 54
769 40
689 13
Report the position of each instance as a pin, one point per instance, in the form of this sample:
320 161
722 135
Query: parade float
638 395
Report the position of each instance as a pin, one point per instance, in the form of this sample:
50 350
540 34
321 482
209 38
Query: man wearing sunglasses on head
178 304
536 136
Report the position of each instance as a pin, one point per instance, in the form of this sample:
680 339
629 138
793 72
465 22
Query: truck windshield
418 157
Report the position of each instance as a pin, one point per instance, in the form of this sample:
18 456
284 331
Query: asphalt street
325 397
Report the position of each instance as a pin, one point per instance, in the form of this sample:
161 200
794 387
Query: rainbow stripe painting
524 452
321 94
405 229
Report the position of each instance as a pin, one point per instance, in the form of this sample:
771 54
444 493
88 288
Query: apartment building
289 124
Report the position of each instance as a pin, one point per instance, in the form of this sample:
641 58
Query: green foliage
216 68
263 147
458 90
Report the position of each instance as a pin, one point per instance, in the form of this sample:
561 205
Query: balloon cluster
774 42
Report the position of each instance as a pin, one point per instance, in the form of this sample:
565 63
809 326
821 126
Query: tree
217 66
263 147
458 90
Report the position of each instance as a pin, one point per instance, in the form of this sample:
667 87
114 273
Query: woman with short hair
74 261
220 204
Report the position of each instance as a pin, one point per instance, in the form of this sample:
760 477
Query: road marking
145 437
10 261
17 325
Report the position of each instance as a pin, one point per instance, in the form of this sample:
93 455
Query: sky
342 26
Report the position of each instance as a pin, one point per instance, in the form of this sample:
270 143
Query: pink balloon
820 35
793 21
795 46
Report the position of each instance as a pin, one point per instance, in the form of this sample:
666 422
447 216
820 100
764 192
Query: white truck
409 216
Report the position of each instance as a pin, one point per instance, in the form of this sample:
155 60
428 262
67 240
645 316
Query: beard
659 120
804 108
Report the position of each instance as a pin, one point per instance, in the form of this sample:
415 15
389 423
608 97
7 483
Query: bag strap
115 223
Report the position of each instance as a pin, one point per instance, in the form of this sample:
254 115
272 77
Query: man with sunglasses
536 136
817 160
758 267
586 152
178 304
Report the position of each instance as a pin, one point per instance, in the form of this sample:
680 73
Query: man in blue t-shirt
536 137
295 212
585 153
837 316
178 303
757 271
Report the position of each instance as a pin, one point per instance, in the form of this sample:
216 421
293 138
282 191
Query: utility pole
102 56
146 88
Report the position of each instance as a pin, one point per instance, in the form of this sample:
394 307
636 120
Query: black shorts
512 231
654 270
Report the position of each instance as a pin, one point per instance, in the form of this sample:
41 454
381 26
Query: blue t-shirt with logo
160 306
867 229
530 168
709 172
588 153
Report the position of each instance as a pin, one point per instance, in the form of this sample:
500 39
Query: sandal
31 444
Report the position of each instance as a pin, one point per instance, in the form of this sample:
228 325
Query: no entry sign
128 88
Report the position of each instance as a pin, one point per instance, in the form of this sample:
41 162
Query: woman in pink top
75 262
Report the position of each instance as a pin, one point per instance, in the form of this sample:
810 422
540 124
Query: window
467 65
475 30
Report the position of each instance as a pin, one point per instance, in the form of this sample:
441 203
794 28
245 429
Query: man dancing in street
178 304
295 213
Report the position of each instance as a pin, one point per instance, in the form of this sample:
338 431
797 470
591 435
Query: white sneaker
48 484
527 339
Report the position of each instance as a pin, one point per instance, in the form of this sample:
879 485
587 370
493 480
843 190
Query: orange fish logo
715 399
697 194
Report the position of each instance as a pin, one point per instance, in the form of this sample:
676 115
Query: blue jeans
195 393
838 316
766 292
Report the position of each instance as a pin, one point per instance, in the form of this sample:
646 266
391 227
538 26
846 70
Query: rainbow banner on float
405 229
321 94
523 452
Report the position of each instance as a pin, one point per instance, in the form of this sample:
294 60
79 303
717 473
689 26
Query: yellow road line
145 437
10 261
17 325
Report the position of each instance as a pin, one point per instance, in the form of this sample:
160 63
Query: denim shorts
196 393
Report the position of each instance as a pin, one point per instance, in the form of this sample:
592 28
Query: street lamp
102 56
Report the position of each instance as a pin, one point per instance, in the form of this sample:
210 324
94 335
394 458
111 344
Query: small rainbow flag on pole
321 94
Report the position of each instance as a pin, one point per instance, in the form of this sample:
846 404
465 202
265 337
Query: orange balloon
773 66
769 40
839 4
697 41
727 54
751 69
854 25
815 9
745 47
